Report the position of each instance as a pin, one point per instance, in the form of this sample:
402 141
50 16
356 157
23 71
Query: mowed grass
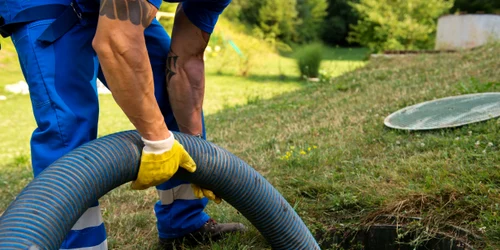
9 65
128 214
326 149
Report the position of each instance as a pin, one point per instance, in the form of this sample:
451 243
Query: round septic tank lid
446 112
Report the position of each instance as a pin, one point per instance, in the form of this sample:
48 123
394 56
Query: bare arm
186 73
121 48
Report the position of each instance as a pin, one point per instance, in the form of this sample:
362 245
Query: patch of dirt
389 237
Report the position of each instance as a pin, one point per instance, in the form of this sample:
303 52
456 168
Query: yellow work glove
201 192
160 161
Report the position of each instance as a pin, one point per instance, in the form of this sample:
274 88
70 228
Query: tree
287 20
278 18
312 15
245 11
397 24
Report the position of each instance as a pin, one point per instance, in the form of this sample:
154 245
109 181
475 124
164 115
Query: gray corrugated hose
44 212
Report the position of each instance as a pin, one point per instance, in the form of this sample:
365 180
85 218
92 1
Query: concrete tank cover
446 112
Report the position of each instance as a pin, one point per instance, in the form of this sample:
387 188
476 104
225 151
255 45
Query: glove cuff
158 147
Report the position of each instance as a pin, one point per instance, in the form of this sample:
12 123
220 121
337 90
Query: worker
158 82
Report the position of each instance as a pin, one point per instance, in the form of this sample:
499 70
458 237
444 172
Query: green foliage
279 18
476 6
340 17
245 11
312 14
397 24
287 20
273 18
309 59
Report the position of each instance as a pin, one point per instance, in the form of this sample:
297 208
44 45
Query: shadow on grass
14 176
337 54
276 78
258 78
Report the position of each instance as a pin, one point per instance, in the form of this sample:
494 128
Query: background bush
397 24
291 21
309 58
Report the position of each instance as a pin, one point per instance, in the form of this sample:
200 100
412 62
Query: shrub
397 24
309 59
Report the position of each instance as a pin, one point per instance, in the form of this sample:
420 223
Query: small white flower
217 48
470 132
398 142
422 144
484 151
208 49
458 138
482 229
490 144
477 143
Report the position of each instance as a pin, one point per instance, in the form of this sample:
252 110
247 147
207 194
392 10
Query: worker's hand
200 192
160 161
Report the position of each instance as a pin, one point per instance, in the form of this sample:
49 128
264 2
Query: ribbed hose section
44 212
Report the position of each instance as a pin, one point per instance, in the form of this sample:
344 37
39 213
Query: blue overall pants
62 82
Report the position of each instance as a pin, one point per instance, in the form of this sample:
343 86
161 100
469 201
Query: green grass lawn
9 65
323 145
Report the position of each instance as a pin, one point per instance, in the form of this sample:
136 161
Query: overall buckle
76 9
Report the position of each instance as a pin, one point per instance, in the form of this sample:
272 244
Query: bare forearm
131 83
122 54
186 74
186 88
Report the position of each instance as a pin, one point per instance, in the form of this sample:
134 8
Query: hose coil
44 212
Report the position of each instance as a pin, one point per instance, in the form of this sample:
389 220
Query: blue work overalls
61 68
